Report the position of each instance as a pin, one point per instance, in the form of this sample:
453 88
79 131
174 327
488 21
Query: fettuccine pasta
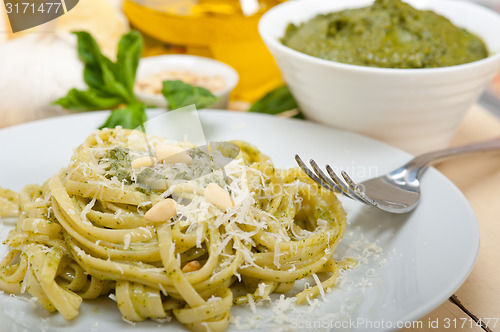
167 232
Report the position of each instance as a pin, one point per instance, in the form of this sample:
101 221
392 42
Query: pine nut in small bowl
213 75
381 68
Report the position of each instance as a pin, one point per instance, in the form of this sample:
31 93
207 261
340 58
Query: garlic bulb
35 70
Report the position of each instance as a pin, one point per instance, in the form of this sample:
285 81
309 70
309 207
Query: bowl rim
274 42
232 74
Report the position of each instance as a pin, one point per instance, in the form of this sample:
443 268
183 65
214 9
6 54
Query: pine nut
172 154
191 267
162 211
218 196
143 162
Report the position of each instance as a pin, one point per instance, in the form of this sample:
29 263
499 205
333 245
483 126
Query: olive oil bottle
226 30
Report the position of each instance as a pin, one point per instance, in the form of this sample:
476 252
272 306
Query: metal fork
397 191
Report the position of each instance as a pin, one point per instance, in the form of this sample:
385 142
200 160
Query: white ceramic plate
408 264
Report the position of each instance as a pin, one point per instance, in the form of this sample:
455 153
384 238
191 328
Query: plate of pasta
115 229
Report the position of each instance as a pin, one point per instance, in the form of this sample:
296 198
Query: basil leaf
89 100
127 59
277 101
112 84
91 56
112 81
93 77
129 117
180 94
88 50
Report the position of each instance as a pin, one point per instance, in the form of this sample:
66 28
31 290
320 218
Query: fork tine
345 187
326 179
340 183
333 183
355 187
311 174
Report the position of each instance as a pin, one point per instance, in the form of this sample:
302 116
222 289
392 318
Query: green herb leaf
96 67
129 117
277 101
129 54
89 100
88 50
180 94
110 84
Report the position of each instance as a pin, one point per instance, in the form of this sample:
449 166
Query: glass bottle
226 30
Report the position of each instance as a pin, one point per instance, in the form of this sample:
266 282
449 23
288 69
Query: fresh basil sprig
111 84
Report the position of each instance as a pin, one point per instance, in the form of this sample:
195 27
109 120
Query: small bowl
417 110
196 65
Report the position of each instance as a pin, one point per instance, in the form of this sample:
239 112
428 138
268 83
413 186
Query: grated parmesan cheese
261 289
320 287
126 241
86 209
251 304
162 289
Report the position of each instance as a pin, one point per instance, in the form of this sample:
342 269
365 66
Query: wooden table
478 177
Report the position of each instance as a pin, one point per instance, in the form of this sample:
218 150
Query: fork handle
420 163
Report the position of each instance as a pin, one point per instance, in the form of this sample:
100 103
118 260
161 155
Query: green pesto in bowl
388 34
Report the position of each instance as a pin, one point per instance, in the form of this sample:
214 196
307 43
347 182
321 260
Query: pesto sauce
120 165
388 34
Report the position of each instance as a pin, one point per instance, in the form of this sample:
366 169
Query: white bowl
415 109
190 63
